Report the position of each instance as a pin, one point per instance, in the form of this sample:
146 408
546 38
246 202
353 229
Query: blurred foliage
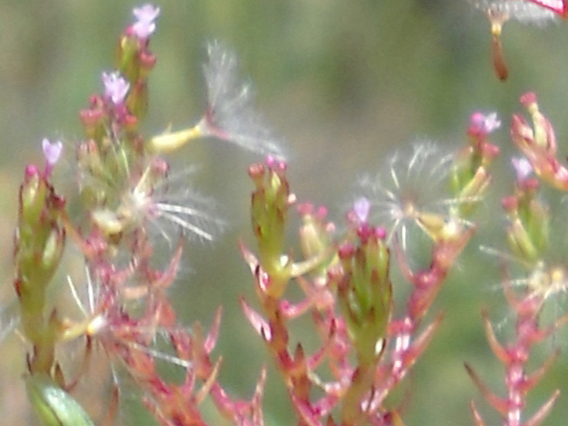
346 82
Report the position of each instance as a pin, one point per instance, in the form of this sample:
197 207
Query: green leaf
53 405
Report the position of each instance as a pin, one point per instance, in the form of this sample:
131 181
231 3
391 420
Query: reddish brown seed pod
498 58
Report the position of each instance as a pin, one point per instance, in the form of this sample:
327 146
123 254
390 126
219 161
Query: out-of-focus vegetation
346 83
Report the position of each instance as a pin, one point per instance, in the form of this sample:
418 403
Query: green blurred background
345 82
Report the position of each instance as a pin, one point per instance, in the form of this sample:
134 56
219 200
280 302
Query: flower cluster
347 281
371 325
529 240
128 197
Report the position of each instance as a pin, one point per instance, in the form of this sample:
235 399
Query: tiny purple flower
491 122
485 123
361 208
522 166
116 87
145 15
51 152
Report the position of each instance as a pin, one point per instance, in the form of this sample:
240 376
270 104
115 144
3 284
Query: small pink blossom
484 124
116 87
51 152
145 15
361 208
522 166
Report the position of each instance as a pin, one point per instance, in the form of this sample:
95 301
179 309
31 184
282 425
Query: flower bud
315 232
147 63
91 119
138 99
31 195
539 144
271 201
365 294
39 242
270 212
127 62
40 234
544 136
108 221
92 172
470 177
53 247
521 243
529 230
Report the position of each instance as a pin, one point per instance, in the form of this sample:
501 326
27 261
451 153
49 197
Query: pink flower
51 152
484 124
522 166
361 208
145 15
116 87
